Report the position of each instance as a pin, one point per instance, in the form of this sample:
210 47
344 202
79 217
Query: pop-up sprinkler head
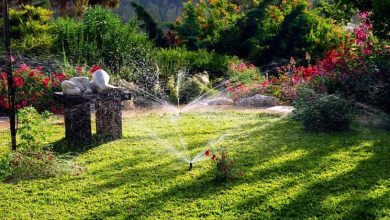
190 166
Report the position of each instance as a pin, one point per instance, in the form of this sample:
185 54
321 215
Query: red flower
207 153
94 68
18 81
59 76
46 81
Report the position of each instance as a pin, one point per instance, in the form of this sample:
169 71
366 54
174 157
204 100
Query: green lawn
289 173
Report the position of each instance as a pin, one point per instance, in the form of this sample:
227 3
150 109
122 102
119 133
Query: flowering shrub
358 69
244 79
225 167
35 88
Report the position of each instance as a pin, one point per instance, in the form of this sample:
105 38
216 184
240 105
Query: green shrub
101 38
33 158
322 112
274 31
34 129
170 61
30 29
5 167
187 89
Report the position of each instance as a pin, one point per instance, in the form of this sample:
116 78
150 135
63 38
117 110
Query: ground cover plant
331 162
288 173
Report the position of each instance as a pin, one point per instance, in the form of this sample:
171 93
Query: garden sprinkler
190 166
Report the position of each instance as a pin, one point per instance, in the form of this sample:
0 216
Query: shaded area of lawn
289 173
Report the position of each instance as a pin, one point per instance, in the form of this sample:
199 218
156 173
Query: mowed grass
288 173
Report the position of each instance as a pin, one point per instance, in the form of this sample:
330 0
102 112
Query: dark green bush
101 38
5 167
187 89
274 31
322 112
170 61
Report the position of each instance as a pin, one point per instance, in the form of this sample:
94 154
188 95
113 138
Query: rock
257 101
82 83
220 101
69 88
100 80
128 105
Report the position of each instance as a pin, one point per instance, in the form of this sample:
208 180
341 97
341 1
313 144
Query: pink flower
79 69
367 51
242 67
23 67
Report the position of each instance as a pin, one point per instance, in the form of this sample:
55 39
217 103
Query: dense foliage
33 88
322 112
271 32
202 24
380 13
170 61
30 29
101 38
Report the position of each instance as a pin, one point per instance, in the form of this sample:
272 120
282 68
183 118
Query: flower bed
35 88
355 69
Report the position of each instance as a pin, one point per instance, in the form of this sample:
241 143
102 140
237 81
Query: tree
276 30
210 17
189 29
150 26
78 7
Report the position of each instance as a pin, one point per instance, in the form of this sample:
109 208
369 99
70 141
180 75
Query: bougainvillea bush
358 69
